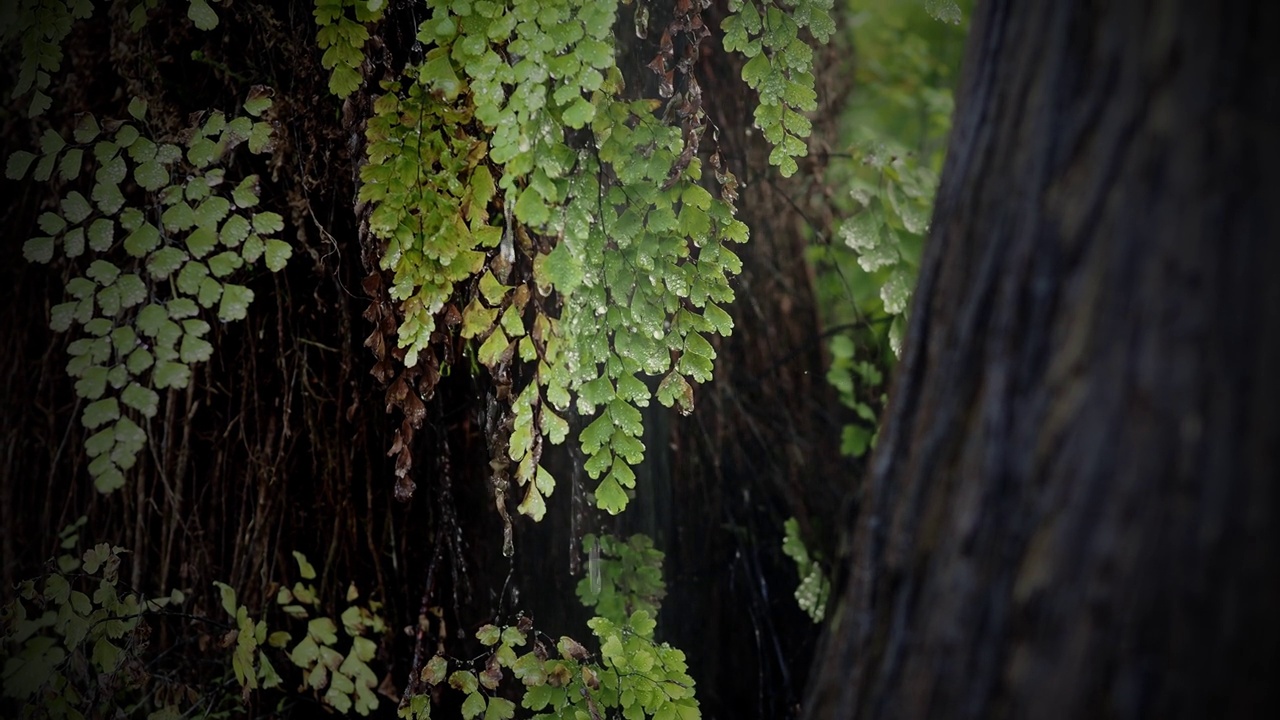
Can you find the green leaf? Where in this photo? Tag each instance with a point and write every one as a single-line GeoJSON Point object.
{"type": "Point", "coordinates": [44, 168]}
{"type": "Point", "coordinates": [277, 254]}
{"type": "Point", "coordinates": [108, 197]}
{"type": "Point", "coordinates": [252, 249]}
{"type": "Point", "coordinates": [51, 223]}
{"type": "Point", "coordinates": [101, 234]}
{"type": "Point", "coordinates": [944, 10]}
{"type": "Point", "coordinates": [209, 292]}
{"type": "Point", "coordinates": [578, 113]}
{"type": "Point", "coordinates": [51, 143]}
{"type": "Point", "coordinates": [73, 243]}
{"type": "Point", "coordinates": [643, 623]}
{"type": "Point", "coordinates": [492, 290]}
{"type": "Point", "coordinates": [169, 374]}
{"type": "Point", "coordinates": [164, 261]}
{"type": "Point", "coordinates": [181, 307]}
{"type": "Point", "coordinates": [225, 263]}
{"type": "Point", "coordinates": [344, 81]}
{"type": "Point", "coordinates": [482, 190]}
{"type": "Point", "coordinates": [488, 635]}
{"type": "Point", "coordinates": [438, 73]}
{"type": "Point", "coordinates": [38, 249]}
{"type": "Point", "coordinates": [533, 504]}
{"type": "Point", "coordinates": [86, 129]}
{"type": "Point", "coordinates": [150, 319]}
{"type": "Point", "coordinates": [554, 427]}
{"type": "Point", "coordinates": [236, 300]}
{"type": "Point", "coordinates": [100, 443]}
{"type": "Point", "coordinates": [896, 291]}
{"type": "Point", "coordinates": [755, 71]}
{"type": "Point", "coordinates": [435, 670]}
{"type": "Point", "coordinates": [259, 100]}
{"type": "Point", "coordinates": [102, 272]}
{"type": "Point", "coordinates": [92, 383]}
{"type": "Point", "coordinates": [305, 654]}
{"type": "Point", "coordinates": [246, 193]}
{"type": "Point", "coordinates": [124, 339]}
{"type": "Point", "coordinates": [194, 349]}
{"type": "Point", "coordinates": [61, 316]}
{"type": "Point", "coordinates": [144, 400]}
{"type": "Point", "coordinates": [131, 288]}
{"type": "Point", "coordinates": [71, 164]}
{"type": "Point", "coordinates": [142, 240]}
{"type": "Point", "coordinates": [323, 629]}
{"type": "Point", "coordinates": [131, 219]}
{"type": "Point", "coordinates": [201, 241]}
{"type": "Point", "coordinates": [18, 163]}
{"type": "Point", "coordinates": [202, 15]}
{"type": "Point", "coordinates": [151, 175]}
{"type": "Point", "coordinates": [499, 709]}
{"type": "Point", "coordinates": [260, 138]}
{"type": "Point", "coordinates": [212, 211]}
{"type": "Point", "coordinates": [472, 706]}
{"type": "Point", "coordinates": [99, 412]}
{"type": "Point", "coordinates": [463, 681]}
{"type": "Point", "coordinates": [126, 136]}
{"type": "Point", "coordinates": [493, 349]}
{"type": "Point", "coordinates": [178, 217]}
{"type": "Point", "coordinates": [610, 496]}
{"type": "Point", "coordinates": [562, 269]}
{"type": "Point", "coordinates": [234, 231]}
{"type": "Point", "coordinates": [477, 319]}
{"type": "Point", "coordinates": [228, 596]}
{"type": "Point", "coordinates": [531, 209]}
{"type": "Point", "coordinates": [138, 108]}
{"type": "Point", "coordinates": [203, 152]}
{"type": "Point", "coordinates": [304, 567]}
{"type": "Point", "coordinates": [267, 223]}
{"type": "Point", "coordinates": [75, 208]}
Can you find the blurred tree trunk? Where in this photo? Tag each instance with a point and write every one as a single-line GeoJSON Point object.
{"type": "Point", "coordinates": [1072, 508]}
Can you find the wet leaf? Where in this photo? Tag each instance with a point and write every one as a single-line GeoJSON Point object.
{"type": "Point", "coordinates": [235, 302]}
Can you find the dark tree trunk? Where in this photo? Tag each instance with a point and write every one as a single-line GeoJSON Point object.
{"type": "Point", "coordinates": [1072, 509]}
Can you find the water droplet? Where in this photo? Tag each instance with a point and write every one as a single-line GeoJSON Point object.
{"type": "Point", "coordinates": [593, 568]}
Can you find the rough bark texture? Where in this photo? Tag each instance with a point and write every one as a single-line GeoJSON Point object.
{"type": "Point", "coordinates": [1072, 509]}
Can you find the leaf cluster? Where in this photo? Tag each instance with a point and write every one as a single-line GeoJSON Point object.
{"type": "Point", "coordinates": [74, 639]}
{"type": "Point", "coordinates": [39, 27]}
{"type": "Point", "coordinates": [630, 675]}
{"type": "Point", "coordinates": [342, 36]}
{"type": "Point", "coordinates": [814, 590]}
{"type": "Point", "coordinates": [895, 129]}
{"type": "Point", "coordinates": [780, 67]}
{"type": "Point", "coordinates": [622, 577]}
{"type": "Point", "coordinates": [164, 232]}
{"type": "Point", "coordinates": [593, 255]}
{"type": "Point", "coordinates": [859, 383]}
{"type": "Point", "coordinates": [337, 672]}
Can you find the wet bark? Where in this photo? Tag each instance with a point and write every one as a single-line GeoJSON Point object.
{"type": "Point", "coordinates": [1072, 508]}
